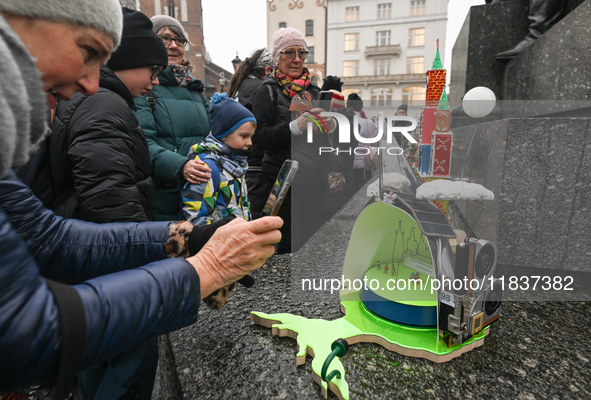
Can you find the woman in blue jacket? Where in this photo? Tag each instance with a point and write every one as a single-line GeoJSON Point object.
{"type": "Point", "coordinates": [98, 150]}
{"type": "Point", "coordinates": [50, 50]}
{"type": "Point", "coordinates": [177, 120]}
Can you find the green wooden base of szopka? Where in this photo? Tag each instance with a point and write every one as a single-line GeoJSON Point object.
{"type": "Point", "coordinates": [359, 325]}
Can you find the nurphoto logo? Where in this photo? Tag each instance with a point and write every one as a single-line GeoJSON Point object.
{"type": "Point", "coordinates": [344, 130]}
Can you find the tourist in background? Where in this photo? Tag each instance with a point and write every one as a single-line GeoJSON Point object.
{"type": "Point", "coordinates": [288, 89]}
{"type": "Point", "coordinates": [248, 77]}
{"type": "Point", "coordinates": [128, 290]}
{"type": "Point", "coordinates": [98, 153]}
{"type": "Point", "coordinates": [174, 116]}
{"type": "Point", "coordinates": [225, 150]}
{"type": "Point", "coordinates": [367, 129]}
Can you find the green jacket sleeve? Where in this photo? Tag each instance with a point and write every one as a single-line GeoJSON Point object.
{"type": "Point", "coordinates": [166, 164]}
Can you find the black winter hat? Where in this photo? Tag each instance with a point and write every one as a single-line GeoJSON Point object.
{"type": "Point", "coordinates": [403, 107]}
{"type": "Point", "coordinates": [140, 45]}
{"type": "Point", "coordinates": [356, 103]}
{"type": "Point", "coordinates": [332, 82]}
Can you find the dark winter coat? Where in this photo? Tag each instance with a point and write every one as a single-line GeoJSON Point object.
{"type": "Point", "coordinates": [246, 90]}
{"type": "Point", "coordinates": [245, 96]}
{"type": "Point", "coordinates": [75, 251]}
{"type": "Point", "coordinates": [30, 331]}
{"type": "Point", "coordinates": [98, 148]}
{"type": "Point", "coordinates": [274, 137]}
{"type": "Point", "coordinates": [179, 120]}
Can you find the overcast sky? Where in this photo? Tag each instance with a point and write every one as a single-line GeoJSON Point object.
{"type": "Point", "coordinates": [239, 25]}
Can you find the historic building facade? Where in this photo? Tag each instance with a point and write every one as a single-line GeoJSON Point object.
{"type": "Point", "coordinates": [383, 48]}
{"type": "Point", "coordinates": [190, 14]}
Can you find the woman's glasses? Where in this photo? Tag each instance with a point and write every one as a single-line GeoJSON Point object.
{"type": "Point", "coordinates": [291, 54]}
{"type": "Point", "coordinates": [178, 40]}
{"type": "Point", "coordinates": [156, 71]}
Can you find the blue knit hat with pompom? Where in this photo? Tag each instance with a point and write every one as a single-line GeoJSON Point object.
{"type": "Point", "coordinates": [227, 115]}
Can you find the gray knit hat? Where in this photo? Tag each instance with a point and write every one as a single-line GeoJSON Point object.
{"type": "Point", "coordinates": [160, 21]}
{"type": "Point", "coordinates": [104, 15]}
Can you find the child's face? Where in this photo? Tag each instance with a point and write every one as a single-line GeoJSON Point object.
{"type": "Point", "coordinates": [241, 137]}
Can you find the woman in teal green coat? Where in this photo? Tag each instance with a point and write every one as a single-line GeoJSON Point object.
{"type": "Point", "coordinates": [178, 119]}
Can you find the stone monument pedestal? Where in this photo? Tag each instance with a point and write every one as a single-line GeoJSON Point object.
{"type": "Point", "coordinates": [533, 152]}
{"type": "Point", "coordinates": [556, 66]}
{"type": "Point", "coordinates": [540, 172]}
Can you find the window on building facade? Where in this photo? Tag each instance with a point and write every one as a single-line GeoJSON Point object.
{"type": "Point", "coordinates": [351, 68]}
{"type": "Point", "coordinates": [381, 97]}
{"type": "Point", "coordinates": [415, 65]}
{"type": "Point", "coordinates": [351, 41]}
{"type": "Point", "coordinates": [310, 58]}
{"type": "Point", "coordinates": [381, 66]}
{"type": "Point", "coordinates": [171, 8]}
{"type": "Point", "coordinates": [413, 96]}
{"type": "Point", "coordinates": [416, 37]}
{"type": "Point", "coordinates": [385, 10]}
{"type": "Point", "coordinates": [310, 27]}
{"type": "Point", "coordinates": [383, 38]}
{"type": "Point", "coordinates": [282, 25]}
{"type": "Point", "coordinates": [417, 7]}
{"type": "Point", "coordinates": [131, 4]}
{"type": "Point", "coordinates": [352, 14]}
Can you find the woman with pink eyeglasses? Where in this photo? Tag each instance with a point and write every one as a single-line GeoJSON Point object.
{"type": "Point", "coordinates": [283, 106]}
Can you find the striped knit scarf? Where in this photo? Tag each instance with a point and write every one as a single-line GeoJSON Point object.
{"type": "Point", "coordinates": [290, 86]}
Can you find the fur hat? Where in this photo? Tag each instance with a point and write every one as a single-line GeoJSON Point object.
{"type": "Point", "coordinates": [140, 46]}
{"type": "Point", "coordinates": [227, 115]}
{"type": "Point", "coordinates": [332, 82]}
{"type": "Point", "coordinates": [286, 37]}
{"type": "Point", "coordinates": [161, 21]}
{"type": "Point", "coordinates": [104, 15]}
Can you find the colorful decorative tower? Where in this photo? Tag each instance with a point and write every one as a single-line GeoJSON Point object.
{"type": "Point", "coordinates": [436, 138]}
{"type": "Point", "coordinates": [435, 84]}
{"type": "Point", "coordinates": [442, 140]}
{"type": "Point", "coordinates": [436, 77]}
{"type": "Point", "coordinates": [435, 80]}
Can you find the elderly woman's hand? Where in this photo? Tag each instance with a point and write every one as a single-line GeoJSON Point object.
{"type": "Point", "coordinates": [303, 120]}
{"type": "Point", "coordinates": [330, 124]}
{"type": "Point", "coordinates": [196, 172]}
{"type": "Point", "coordinates": [234, 250]}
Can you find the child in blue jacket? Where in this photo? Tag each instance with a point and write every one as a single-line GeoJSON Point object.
{"type": "Point", "coordinates": [225, 151]}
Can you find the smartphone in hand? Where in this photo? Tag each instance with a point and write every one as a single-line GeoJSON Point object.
{"type": "Point", "coordinates": [325, 101]}
{"type": "Point", "coordinates": [280, 188]}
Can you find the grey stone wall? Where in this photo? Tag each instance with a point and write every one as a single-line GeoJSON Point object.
{"type": "Point", "coordinates": [555, 67]}
{"type": "Point", "coordinates": [540, 172]}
